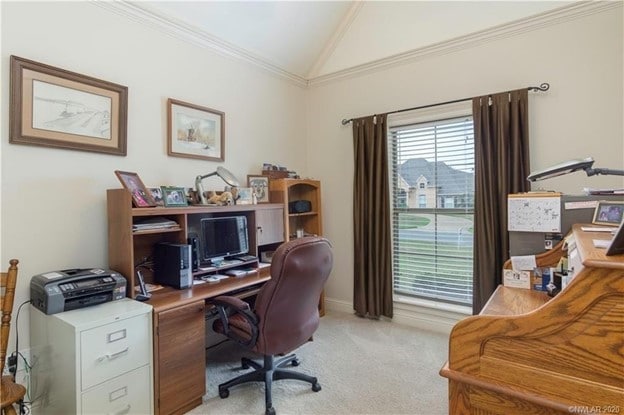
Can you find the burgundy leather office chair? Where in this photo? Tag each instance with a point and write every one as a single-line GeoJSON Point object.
{"type": "Point", "coordinates": [284, 317]}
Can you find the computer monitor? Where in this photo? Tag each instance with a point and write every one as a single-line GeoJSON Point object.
{"type": "Point", "coordinates": [223, 237]}
{"type": "Point", "coordinates": [617, 243]}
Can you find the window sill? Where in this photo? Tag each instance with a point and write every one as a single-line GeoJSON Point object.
{"type": "Point", "coordinates": [420, 302]}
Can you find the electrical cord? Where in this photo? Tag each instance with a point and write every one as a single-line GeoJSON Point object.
{"type": "Point", "coordinates": [24, 408]}
{"type": "Point", "coordinates": [16, 352]}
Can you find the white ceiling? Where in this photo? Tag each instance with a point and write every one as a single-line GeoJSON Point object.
{"type": "Point", "coordinates": [312, 38]}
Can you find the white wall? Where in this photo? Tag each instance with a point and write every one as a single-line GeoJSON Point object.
{"type": "Point", "coordinates": [384, 28]}
{"type": "Point", "coordinates": [580, 116]}
{"type": "Point", "coordinates": [54, 201]}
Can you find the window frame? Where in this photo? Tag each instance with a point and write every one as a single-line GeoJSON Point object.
{"type": "Point", "coordinates": [433, 114]}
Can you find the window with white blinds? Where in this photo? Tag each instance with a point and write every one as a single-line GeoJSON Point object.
{"type": "Point", "coordinates": [433, 206]}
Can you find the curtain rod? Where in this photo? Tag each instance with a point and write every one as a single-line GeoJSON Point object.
{"type": "Point", "coordinates": [543, 87]}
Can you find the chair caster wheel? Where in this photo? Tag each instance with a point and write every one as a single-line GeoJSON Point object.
{"type": "Point", "coordinates": [295, 362]}
{"type": "Point", "coordinates": [224, 393]}
{"type": "Point", "coordinates": [316, 387]}
{"type": "Point", "coordinates": [270, 411]}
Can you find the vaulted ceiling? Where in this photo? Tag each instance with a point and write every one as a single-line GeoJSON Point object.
{"type": "Point", "coordinates": [308, 39]}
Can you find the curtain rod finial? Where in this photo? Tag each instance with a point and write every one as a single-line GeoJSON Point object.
{"type": "Point", "coordinates": [345, 121]}
{"type": "Point", "coordinates": [545, 86]}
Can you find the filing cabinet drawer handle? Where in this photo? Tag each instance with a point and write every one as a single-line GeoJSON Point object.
{"type": "Point", "coordinates": [123, 411]}
{"type": "Point", "coordinates": [115, 336]}
{"type": "Point", "coordinates": [113, 355]}
{"type": "Point", "coordinates": [117, 394]}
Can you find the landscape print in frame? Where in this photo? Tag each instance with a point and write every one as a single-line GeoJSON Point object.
{"type": "Point", "coordinates": [54, 107]}
{"type": "Point", "coordinates": [195, 131]}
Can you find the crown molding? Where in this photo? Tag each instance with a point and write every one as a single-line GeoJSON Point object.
{"type": "Point", "coordinates": [341, 30]}
{"type": "Point", "coordinates": [549, 18]}
{"type": "Point", "coordinates": [142, 14]}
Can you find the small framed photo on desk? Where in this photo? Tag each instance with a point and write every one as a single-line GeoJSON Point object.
{"type": "Point", "coordinates": [173, 196]}
{"type": "Point", "coordinates": [608, 213]}
{"type": "Point", "coordinates": [131, 181]}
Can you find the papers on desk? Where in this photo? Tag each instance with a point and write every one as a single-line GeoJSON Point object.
{"type": "Point", "coordinates": [157, 222]}
{"type": "Point", "coordinates": [517, 279]}
{"type": "Point", "coordinates": [601, 243]}
{"type": "Point", "coordinates": [598, 229]}
{"type": "Point", "coordinates": [523, 263]}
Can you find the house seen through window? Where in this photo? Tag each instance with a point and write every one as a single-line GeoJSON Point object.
{"type": "Point", "coordinates": [433, 224]}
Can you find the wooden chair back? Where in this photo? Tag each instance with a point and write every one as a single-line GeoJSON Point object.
{"type": "Point", "coordinates": [8, 281]}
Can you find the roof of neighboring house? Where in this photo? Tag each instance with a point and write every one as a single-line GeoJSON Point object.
{"type": "Point", "coordinates": [450, 180]}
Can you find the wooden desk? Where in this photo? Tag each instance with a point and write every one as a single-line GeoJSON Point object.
{"type": "Point", "coordinates": [179, 340]}
{"type": "Point", "coordinates": [526, 354]}
{"type": "Point", "coordinates": [179, 323]}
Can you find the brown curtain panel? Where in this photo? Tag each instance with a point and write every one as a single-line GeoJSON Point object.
{"type": "Point", "coordinates": [501, 167]}
{"type": "Point", "coordinates": [372, 288]}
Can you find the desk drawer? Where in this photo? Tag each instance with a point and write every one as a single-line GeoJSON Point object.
{"type": "Point", "coordinates": [113, 349]}
{"type": "Point", "coordinates": [126, 394]}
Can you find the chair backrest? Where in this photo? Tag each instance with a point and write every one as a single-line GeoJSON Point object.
{"type": "Point", "coordinates": [287, 305]}
{"type": "Point", "coordinates": [8, 280]}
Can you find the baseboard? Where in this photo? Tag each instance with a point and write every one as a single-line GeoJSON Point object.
{"type": "Point", "coordinates": [425, 318]}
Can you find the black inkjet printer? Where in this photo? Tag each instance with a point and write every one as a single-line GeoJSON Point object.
{"type": "Point", "coordinates": [57, 291]}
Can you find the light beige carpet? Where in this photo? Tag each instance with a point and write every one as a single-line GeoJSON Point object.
{"type": "Point", "coordinates": [363, 366]}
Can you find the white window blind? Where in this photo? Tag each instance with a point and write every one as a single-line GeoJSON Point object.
{"type": "Point", "coordinates": [433, 227]}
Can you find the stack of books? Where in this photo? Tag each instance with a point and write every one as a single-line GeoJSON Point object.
{"type": "Point", "coordinates": [156, 222]}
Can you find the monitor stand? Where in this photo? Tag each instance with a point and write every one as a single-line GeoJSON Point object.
{"type": "Point", "coordinates": [216, 262]}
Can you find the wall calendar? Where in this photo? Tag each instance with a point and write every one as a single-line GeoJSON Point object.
{"type": "Point", "coordinates": [528, 212]}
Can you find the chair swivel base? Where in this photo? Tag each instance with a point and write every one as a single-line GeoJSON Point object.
{"type": "Point", "coordinates": [272, 370]}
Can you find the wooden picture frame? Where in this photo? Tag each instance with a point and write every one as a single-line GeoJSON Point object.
{"type": "Point", "coordinates": [608, 213]}
{"type": "Point", "coordinates": [53, 107]}
{"type": "Point", "coordinates": [173, 196]}
{"type": "Point", "coordinates": [157, 195]}
{"type": "Point", "coordinates": [141, 197]}
{"type": "Point", "coordinates": [194, 131]}
{"type": "Point", "coordinates": [260, 187]}
{"type": "Point", "coordinates": [245, 196]}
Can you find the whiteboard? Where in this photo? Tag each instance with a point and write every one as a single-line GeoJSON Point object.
{"type": "Point", "coordinates": [534, 214]}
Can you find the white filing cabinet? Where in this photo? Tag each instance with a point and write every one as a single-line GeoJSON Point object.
{"type": "Point", "coordinates": [96, 360]}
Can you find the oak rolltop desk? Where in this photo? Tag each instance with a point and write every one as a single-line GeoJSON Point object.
{"type": "Point", "coordinates": [528, 354]}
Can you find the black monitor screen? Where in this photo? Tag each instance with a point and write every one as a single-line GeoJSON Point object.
{"type": "Point", "coordinates": [224, 236]}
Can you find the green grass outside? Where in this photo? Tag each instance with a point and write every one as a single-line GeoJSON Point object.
{"type": "Point", "coordinates": [412, 221]}
{"type": "Point", "coordinates": [444, 260]}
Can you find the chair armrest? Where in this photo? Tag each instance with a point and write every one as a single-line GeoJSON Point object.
{"type": "Point", "coordinates": [230, 302]}
{"type": "Point", "coordinates": [226, 303]}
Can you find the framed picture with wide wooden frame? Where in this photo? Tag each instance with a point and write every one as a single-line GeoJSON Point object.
{"type": "Point", "coordinates": [194, 131]}
{"type": "Point", "coordinates": [54, 107]}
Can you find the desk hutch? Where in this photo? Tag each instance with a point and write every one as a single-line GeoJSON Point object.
{"type": "Point", "coordinates": [285, 191]}
{"type": "Point", "coordinates": [178, 315]}
{"type": "Point", "coordinates": [528, 354]}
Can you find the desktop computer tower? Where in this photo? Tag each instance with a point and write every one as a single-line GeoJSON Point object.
{"type": "Point", "coordinates": [173, 265]}
{"type": "Point", "coordinates": [193, 241]}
